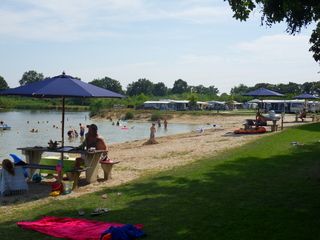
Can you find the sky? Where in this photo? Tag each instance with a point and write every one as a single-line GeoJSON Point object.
{"type": "Point", "coordinates": [194, 40]}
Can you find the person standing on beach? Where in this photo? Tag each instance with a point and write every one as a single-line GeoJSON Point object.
{"type": "Point", "coordinates": [152, 139]}
{"type": "Point", "coordinates": [165, 123]}
{"type": "Point", "coordinates": [159, 122]}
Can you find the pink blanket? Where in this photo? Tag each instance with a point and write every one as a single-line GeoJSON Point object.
{"type": "Point", "coordinates": [70, 228]}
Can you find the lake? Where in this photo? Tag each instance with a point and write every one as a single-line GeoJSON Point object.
{"type": "Point", "coordinates": [48, 124]}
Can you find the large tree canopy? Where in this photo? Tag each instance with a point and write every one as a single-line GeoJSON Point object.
{"type": "Point", "coordinates": [179, 87]}
{"type": "Point", "coordinates": [30, 77]}
{"type": "Point", "coordinates": [108, 83]}
{"type": "Point", "coordinates": [296, 13]}
{"type": "Point", "coordinates": [3, 83]}
{"type": "Point", "coordinates": [143, 85]}
{"type": "Point", "coordinates": [159, 89]}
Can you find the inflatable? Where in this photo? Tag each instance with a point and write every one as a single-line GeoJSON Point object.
{"type": "Point", "coordinates": [250, 131]}
{"type": "Point", "coordinates": [4, 127]}
{"type": "Point", "coordinates": [124, 128]}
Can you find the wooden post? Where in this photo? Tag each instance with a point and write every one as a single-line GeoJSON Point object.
{"type": "Point", "coordinates": [282, 117]}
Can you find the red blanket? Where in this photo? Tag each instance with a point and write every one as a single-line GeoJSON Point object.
{"type": "Point", "coordinates": [70, 228]}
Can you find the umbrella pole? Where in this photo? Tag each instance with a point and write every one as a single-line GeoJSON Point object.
{"type": "Point", "coordinates": [62, 122]}
{"type": "Point", "coordinates": [62, 142]}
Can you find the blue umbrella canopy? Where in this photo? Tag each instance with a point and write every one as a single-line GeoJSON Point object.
{"type": "Point", "coordinates": [61, 86]}
{"type": "Point", "coordinates": [305, 96]}
{"type": "Point", "coordinates": [263, 92]}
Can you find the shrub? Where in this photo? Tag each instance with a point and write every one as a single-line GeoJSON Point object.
{"type": "Point", "coordinates": [155, 116]}
{"type": "Point", "coordinates": [129, 115]}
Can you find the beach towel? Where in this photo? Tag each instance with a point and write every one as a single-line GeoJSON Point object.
{"type": "Point", "coordinates": [70, 228]}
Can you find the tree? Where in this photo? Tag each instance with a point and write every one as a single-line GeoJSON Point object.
{"type": "Point", "coordinates": [193, 101]}
{"type": "Point", "coordinates": [160, 89]}
{"type": "Point", "coordinates": [179, 87]}
{"type": "Point", "coordinates": [3, 83]}
{"type": "Point", "coordinates": [239, 90]}
{"type": "Point", "coordinates": [108, 83]}
{"type": "Point", "coordinates": [225, 97]}
{"type": "Point", "coordinates": [296, 14]}
{"type": "Point", "coordinates": [213, 91]}
{"type": "Point", "coordinates": [143, 85]}
{"type": "Point", "coordinates": [308, 87]}
{"type": "Point", "coordinates": [291, 88]}
{"type": "Point", "coordinates": [200, 89]}
{"type": "Point", "coordinates": [30, 77]}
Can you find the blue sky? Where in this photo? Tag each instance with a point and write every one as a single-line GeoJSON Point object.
{"type": "Point", "coordinates": [197, 41]}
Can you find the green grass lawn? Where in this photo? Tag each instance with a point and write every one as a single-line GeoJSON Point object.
{"type": "Point", "coordinates": [268, 189]}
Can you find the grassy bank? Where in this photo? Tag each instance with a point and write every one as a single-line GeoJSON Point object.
{"type": "Point", "coordinates": [268, 189]}
{"type": "Point", "coordinates": [8, 103]}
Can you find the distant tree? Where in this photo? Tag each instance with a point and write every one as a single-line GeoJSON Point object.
{"type": "Point", "coordinates": [239, 90]}
{"type": "Point", "coordinates": [296, 14]}
{"type": "Point", "coordinates": [213, 91]}
{"type": "Point", "coordinates": [30, 77]}
{"type": "Point", "coordinates": [225, 97]}
{"type": "Point", "coordinates": [179, 87]}
{"type": "Point", "coordinates": [193, 101]}
{"type": "Point", "coordinates": [291, 88]}
{"type": "Point", "coordinates": [108, 83]}
{"type": "Point", "coordinates": [200, 89]}
{"type": "Point", "coordinates": [3, 83]}
{"type": "Point", "coordinates": [317, 88]}
{"type": "Point", "coordinates": [264, 85]}
{"type": "Point", "coordinates": [143, 85]}
{"type": "Point", "coordinates": [307, 87]}
{"type": "Point", "coordinates": [160, 89]}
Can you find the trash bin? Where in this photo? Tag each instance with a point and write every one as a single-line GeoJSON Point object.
{"type": "Point", "coordinates": [67, 186]}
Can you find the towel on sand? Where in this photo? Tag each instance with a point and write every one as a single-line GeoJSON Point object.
{"type": "Point", "coordinates": [70, 228]}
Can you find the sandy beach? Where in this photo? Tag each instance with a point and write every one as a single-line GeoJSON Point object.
{"type": "Point", "coordinates": [137, 159]}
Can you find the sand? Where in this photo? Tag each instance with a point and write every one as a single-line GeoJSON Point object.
{"type": "Point", "coordinates": [137, 159]}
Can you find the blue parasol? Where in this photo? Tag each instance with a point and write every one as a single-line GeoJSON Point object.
{"type": "Point", "coordinates": [305, 96]}
{"type": "Point", "coordinates": [61, 86]}
{"type": "Point", "coordinates": [263, 92]}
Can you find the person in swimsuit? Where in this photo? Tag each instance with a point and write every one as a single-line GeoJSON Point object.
{"type": "Point", "coordinates": [81, 130]}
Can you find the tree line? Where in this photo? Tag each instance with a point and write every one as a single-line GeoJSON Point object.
{"type": "Point", "coordinates": [141, 86]}
{"type": "Point", "coordinates": [148, 88]}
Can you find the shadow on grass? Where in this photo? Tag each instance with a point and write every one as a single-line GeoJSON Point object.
{"type": "Point", "coordinates": [241, 198]}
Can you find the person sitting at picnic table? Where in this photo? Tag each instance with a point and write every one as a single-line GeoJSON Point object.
{"type": "Point", "coordinates": [303, 114]}
{"type": "Point", "coordinates": [260, 120]}
{"type": "Point", "coordinates": [92, 141]}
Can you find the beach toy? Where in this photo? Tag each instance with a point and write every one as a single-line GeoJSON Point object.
{"type": "Point", "coordinates": [124, 128]}
{"type": "Point", "coordinates": [36, 178]}
{"type": "Point", "coordinates": [55, 193]}
{"type": "Point", "coordinates": [250, 131]}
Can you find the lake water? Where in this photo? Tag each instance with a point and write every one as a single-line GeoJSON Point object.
{"type": "Point", "coordinates": [23, 121]}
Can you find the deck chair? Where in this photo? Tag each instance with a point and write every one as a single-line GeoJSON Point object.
{"type": "Point", "coordinates": [13, 184]}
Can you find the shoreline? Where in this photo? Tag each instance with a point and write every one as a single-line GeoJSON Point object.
{"type": "Point", "coordinates": [137, 160]}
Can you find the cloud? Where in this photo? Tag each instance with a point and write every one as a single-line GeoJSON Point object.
{"type": "Point", "coordinates": [71, 20]}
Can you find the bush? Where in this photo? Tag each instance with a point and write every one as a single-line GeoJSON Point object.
{"type": "Point", "coordinates": [155, 116]}
{"type": "Point", "coordinates": [129, 115]}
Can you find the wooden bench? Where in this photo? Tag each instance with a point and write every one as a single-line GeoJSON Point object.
{"type": "Point", "coordinates": [313, 117]}
{"type": "Point", "coordinates": [107, 167]}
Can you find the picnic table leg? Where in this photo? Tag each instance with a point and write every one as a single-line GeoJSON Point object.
{"type": "Point", "coordinates": [32, 157]}
{"type": "Point", "coordinates": [107, 167]}
{"type": "Point", "coordinates": [91, 161]}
